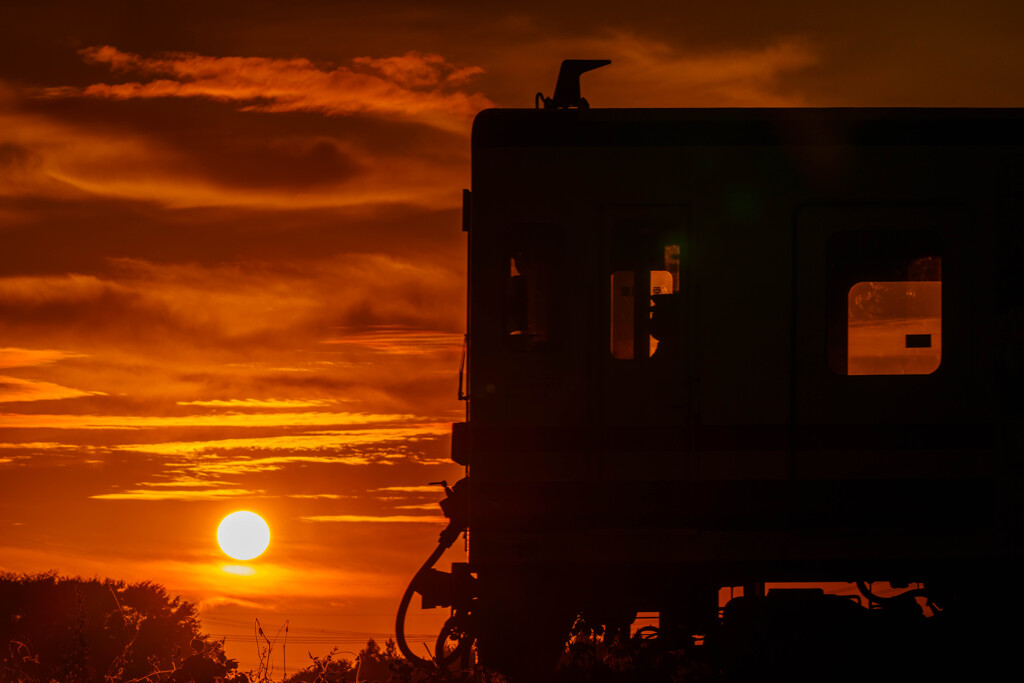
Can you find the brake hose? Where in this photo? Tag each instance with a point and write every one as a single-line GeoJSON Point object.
{"type": "Point", "coordinates": [455, 509]}
{"type": "Point", "coordinates": [403, 607]}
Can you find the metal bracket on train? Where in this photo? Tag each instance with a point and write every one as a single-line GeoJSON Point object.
{"type": "Point", "coordinates": [443, 589]}
{"type": "Point", "coordinates": [456, 508]}
{"type": "Point", "coordinates": [567, 88]}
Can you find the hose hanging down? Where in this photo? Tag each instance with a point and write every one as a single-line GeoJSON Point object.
{"type": "Point", "coordinates": [440, 589]}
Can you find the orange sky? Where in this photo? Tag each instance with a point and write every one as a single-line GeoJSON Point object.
{"type": "Point", "coordinates": [232, 270]}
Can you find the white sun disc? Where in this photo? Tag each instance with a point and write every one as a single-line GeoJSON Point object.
{"type": "Point", "coordinates": [243, 535]}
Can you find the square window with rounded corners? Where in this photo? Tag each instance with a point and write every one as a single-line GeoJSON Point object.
{"type": "Point", "coordinates": [894, 328]}
{"type": "Point", "coordinates": [885, 302]}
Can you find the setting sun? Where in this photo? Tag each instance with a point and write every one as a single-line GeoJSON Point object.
{"type": "Point", "coordinates": [243, 535]}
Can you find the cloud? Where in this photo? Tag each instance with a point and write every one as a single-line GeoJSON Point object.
{"type": "Point", "coordinates": [180, 154]}
{"type": "Point", "coordinates": [416, 70]}
{"type": "Point", "coordinates": [414, 86]}
{"type": "Point", "coordinates": [13, 389]}
{"type": "Point", "coordinates": [291, 346]}
{"type": "Point", "coordinates": [393, 519]}
{"type": "Point", "coordinates": [257, 403]}
{"type": "Point", "coordinates": [20, 358]}
{"type": "Point", "coordinates": [648, 73]}
{"type": "Point", "coordinates": [14, 157]}
{"type": "Point", "coordinates": [40, 445]}
{"type": "Point", "coordinates": [317, 441]}
{"type": "Point", "coordinates": [229, 601]}
{"type": "Point", "coordinates": [184, 481]}
{"type": "Point", "coordinates": [401, 340]}
{"type": "Point", "coordinates": [66, 421]}
{"type": "Point", "coordinates": [215, 466]}
{"type": "Point", "coordinates": [262, 303]}
{"type": "Point", "coordinates": [411, 489]}
{"type": "Point", "coordinates": [178, 494]}
{"type": "Point", "coordinates": [71, 288]}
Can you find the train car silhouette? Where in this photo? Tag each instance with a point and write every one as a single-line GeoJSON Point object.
{"type": "Point", "coordinates": [718, 348]}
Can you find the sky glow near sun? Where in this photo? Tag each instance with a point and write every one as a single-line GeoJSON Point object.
{"type": "Point", "coordinates": [233, 270]}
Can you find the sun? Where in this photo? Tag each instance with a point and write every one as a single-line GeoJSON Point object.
{"type": "Point", "coordinates": [243, 535]}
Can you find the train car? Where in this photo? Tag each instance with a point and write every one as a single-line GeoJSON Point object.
{"type": "Point", "coordinates": [711, 348]}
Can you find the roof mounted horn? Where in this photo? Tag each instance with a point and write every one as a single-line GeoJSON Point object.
{"type": "Point", "coordinates": [567, 89]}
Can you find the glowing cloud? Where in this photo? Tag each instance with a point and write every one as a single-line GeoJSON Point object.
{"type": "Point", "coordinates": [410, 489]}
{"type": "Point", "coordinates": [257, 403]}
{"type": "Point", "coordinates": [180, 494]}
{"type": "Point", "coordinates": [405, 341]}
{"type": "Point", "coordinates": [313, 496]}
{"type": "Point", "coordinates": [20, 358]}
{"type": "Point", "coordinates": [415, 86]}
{"type": "Point", "coordinates": [298, 442]}
{"type": "Point", "coordinates": [394, 519]}
{"type": "Point", "coordinates": [13, 389]}
{"type": "Point", "coordinates": [650, 73]}
{"type": "Point", "coordinates": [226, 420]}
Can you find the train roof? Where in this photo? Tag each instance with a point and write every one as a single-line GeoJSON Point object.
{"type": "Point", "coordinates": [754, 126]}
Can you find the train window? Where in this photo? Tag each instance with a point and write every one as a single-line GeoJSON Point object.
{"type": "Point", "coordinates": [886, 302]}
{"type": "Point", "coordinates": [533, 263]}
{"type": "Point", "coordinates": [623, 304]}
{"type": "Point", "coordinates": [894, 328]}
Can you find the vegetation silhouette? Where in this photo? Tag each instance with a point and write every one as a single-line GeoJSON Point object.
{"type": "Point", "coordinates": [76, 630]}
{"type": "Point", "coordinates": [591, 654]}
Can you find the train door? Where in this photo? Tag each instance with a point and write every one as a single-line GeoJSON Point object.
{"type": "Point", "coordinates": [648, 351]}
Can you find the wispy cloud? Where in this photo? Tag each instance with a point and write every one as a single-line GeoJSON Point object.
{"type": "Point", "coordinates": [13, 389]}
{"type": "Point", "coordinates": [215, 466]}
{"type": "Point", "coordinates": [16, 389]}
{"type": "Point", "coordinates": [394, 519]}
{"type": "Point", "coordinates": [647, 72]}
{"type": "Point", "coordinates": [414, 86]}
{"type": "Point", "coordinates": [317, 441]}
{"type": "Point", "coordinates": [230, 300]}
{"type": "Point", "coordinates": [42, 289]}
{"type": "Point", "coordinates": [258, 403]}
{"type": "Point", "coordinates": [130, 422]}
{"type": "Point", "coordinates": [184, 482]}
{"type": "Point", "coordinates": [11, 357]}
{"type": "Point", "coordinates": [178, 494]}
{"type": "Point", "coordinates": [400, 340]}
{"type": "Point", "coordinates": [411, 489]}
{"type": "Point", "coordinates": [56, 153]}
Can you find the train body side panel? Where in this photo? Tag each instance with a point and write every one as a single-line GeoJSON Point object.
{"type": "Point", "coordinates": [759, 422]}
